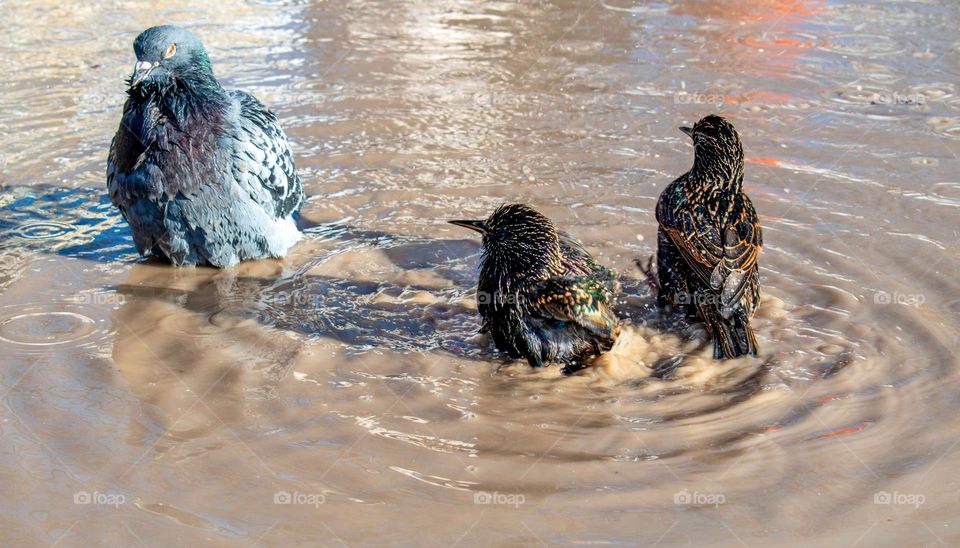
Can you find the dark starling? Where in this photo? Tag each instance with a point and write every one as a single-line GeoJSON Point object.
{"type": "Point", "coordinates": [541, 295]}
{"type": "Point", "coordinates": [201, 174]}
{"type": "Point", "coordinates": [709, 240]}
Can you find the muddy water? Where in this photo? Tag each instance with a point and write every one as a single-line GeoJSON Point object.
{"type": "Point", "coordinates": [343, 395]}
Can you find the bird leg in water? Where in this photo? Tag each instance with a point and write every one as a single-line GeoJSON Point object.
{"type": "Point", "coordinates": [647, 270]}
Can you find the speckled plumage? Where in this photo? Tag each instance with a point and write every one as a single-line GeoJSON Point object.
{"type": "Point", "coordinates": [201, 174]}
{"type": "Point", "coordinates": [709, 240]}
{"type": "Point", "coordinates": [542, 297]}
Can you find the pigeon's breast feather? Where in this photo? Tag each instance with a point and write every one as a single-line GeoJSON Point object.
{"type": "Point", "coordinates": [184, 151]}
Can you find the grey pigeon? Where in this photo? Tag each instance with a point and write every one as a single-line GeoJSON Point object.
{"type": "Point", "coordinates": [201, 174]}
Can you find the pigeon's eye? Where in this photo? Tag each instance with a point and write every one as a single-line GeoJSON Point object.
{"type": "Point", "coordinates": [170, 51]}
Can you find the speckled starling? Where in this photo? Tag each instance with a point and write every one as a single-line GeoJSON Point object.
{"type": "Point", "coordinates": [541, 295]}
{"type": "Point", "coordinates": [201, 174]}
{"type": "Point", "coordinates": [709, 240]}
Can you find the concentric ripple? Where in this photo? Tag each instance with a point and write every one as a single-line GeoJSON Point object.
{"type": "Point", "coordinates": [43, 230]}
{"type": "Point", "coordinates": [39, 328]}
{"type": "Point", "coordinates": [47, 328]}
{"type": "Point", "coordinates": [863, 45]}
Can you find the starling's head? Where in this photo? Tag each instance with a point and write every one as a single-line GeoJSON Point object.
{"type": "Point", "coordinates": [715, 139]}
{"type": "Point", "coordinates": [519, 243]}
{"type": "Point", "coordinates": [167, 56]}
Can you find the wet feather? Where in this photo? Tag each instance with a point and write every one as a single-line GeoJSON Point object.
{"type": "Point", "coordinates": [709, 241]}
{"type": "Point", "coordinates": [541, 295]}
{"type": "Point", "coordinates": [201, 174]}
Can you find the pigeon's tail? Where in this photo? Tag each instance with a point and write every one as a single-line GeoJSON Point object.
{"type": "Point", "coordinates": [732, 337]}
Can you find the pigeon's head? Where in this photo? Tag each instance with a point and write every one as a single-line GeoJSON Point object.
{"type": "Point", "coordinates": [714, 138]}
{"type": "Point", "coordinates": [168, 55]}
{"type": "Point", "coordinates": [519, 243]}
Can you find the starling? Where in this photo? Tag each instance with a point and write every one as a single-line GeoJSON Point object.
{"type": "Point", "coordinates": [709, 240]}
{"type": "Point", "coordinates": [202, 175]}
{"type": "Point", "coordinates": [541, 295]}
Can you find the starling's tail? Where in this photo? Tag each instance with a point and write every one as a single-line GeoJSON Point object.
{"type": "Point", "coordinates": [732, 337]}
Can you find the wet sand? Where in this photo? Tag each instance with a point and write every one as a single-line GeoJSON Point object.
{"type": "Point", "coordinates": [343, 395]}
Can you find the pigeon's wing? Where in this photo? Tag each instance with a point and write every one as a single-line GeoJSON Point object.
{"type": "Point", "coordinates": [262, 162]}
{"type": "Point", "coordinates": [582, 301]}
{"type": "Point", "coordinates": [126, 149]}
{"type": "Point", "coordinates": [723, 257]}
{"type": "Point", "coordinates": [134, 187]}
{"type": "Point", "coordinates": [112, 182]}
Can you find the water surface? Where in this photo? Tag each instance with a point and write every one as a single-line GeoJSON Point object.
{"type": "Point", "coordinates": [342, 395]}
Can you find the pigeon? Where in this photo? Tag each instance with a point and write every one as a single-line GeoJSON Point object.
{"type": "Point", "coordinates": [540, 294]}
{"type": "Point", "coordinates": [202, 175]}
{"type": "Point", "coordinates": [709, 240]}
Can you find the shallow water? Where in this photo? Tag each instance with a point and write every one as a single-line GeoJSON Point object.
{"type": "Point", "coordinates": [343, 395]}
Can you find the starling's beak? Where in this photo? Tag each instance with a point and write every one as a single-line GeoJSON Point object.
{"type": "Point", "coordinates": [472, 225]}
{"type": "Point", "coordinates": [688, 131]}
{"type": "Point", "coordinates": [140, 71]}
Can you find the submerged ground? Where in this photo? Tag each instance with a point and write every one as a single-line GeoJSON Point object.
{"type": "Point", "coordinates": [343, 396]}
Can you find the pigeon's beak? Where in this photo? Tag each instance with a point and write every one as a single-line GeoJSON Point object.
{"type": "Point", "coordinates": [472, 225]}
{"type": "Point", "coordinates": [687, 130]}
{"type": "Point", "coordinates": [140, 71]}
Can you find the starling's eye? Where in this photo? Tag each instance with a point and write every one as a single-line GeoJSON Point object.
{"type": "Point", "coordinates": [170, 51]}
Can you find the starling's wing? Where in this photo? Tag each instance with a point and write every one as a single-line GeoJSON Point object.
{"type": "Point", "coordinates": [572, 249]}
{"type": "Point", "coordinates": [579, 262]}
{"type": "Point", "coordinates": [743, 241]}
{"type": "Point", "coordinates": [261, 159]}
{"type": "Point", "coordinates": [724, 258]}
{"type": "Point", "coordinates": [582, 301]}
{"type": "Point", "coordinates": [698, 244]}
